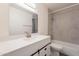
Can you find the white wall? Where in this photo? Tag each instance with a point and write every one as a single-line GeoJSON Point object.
{"type": "Point", "coordinates": [4, 19]}
{"type": "Point", "coordinates": [42, 11]}
{"type": "Point", "coordinates": [20, 20]}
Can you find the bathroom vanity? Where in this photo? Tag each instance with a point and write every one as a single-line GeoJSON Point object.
{"type": "Point", "coordinates": [37, 45]}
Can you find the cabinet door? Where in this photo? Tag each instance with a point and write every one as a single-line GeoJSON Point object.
{"type": "Point", "coordinates": [42, 52]}
{"type": "Point", "coordinates": [45, 51]}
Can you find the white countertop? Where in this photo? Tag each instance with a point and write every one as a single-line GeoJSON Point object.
{"type": "Point", "coordinates": [19, 42]}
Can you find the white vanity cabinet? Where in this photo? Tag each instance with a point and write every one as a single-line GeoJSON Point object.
{"type": "Point", "coordinates": [35, 47]}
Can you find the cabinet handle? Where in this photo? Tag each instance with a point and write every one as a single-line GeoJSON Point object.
{"type": "Point", "coordinates": [38, 51]}
{"type": "Point", "coordinates": [45, 49]}
{"type": "Point", "coordinates": [45, 55]}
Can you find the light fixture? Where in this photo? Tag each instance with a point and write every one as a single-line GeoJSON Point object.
{"type": "Point", "coordinates": [28, 6]}
{"type": "Point", "coordinates": [32, 5]}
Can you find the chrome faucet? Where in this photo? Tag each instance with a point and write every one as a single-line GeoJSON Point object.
{"type": "Point", "coordinates": [28, 34]}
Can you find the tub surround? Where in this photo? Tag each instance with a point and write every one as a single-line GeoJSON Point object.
{"type": "Point", "coordinates": [66, 48]}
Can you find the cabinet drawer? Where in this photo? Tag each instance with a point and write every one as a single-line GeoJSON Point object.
{"type": "Point", "coordinates": [45, 51]}
{"type": "Point", "coordinates": [44, 42]}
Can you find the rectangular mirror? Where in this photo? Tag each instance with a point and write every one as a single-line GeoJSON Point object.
{"type": "Point", "coordinates": [22, 20]}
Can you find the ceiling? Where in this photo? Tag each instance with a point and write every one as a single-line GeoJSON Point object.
{"type": "Point", "coordinates": [56, 6]}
